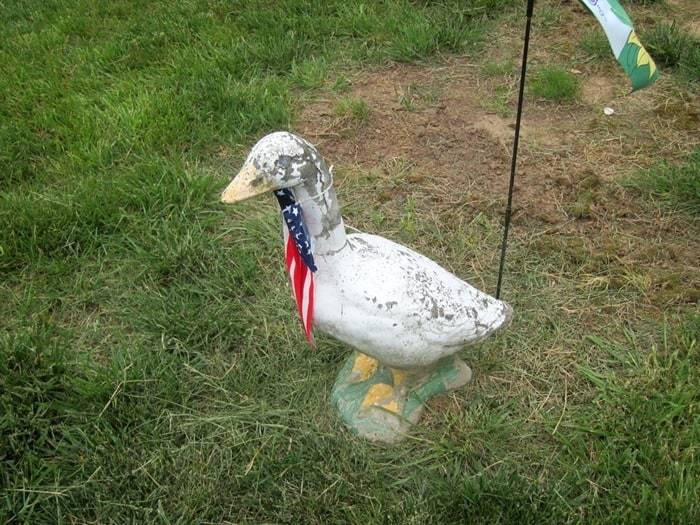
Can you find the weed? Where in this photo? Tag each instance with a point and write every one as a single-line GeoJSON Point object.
{"type": "Point", "coordinates": [412, 94]}
{"type": "Point", "coordinates": [352, 110]}
{"type": "Point", "coordinates": [499, 103]}
{"type": "Point", "coordinates": [673, 47]}
{"type": "Point", "coordinates": [406, 98]}
{"type": "Point", "coordinates": [645, 392]}
{"type": "Point", "coordinates": [499, 100]}
{"type": "Point", "coordinates": [555, 84]}
{"type": "Point", "coordinates": [594, 44]}
{"type": "Point", "coordinates": [499, 67]}
{"type": "Point", "coordinates": [309, 74]}
{"type": "Point", "coordinates": [341, 84]}
{"type": "Point", "coordinates": [675, 184]}
{"type": "Point", "coordinates": [415, 39]}
{"type": "Point", "coordinates": [407, 223]}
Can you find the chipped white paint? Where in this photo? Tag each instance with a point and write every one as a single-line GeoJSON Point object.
{"type": "Point", "coordinates": [398, 306]}
{"type": "Point", "coordinates": [283, 160]}
{"type": "Point", "coordinates": [379, 297]}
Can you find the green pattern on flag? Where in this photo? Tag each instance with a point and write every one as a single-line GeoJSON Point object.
{"type": "Point", "coordinates": [625, 45]}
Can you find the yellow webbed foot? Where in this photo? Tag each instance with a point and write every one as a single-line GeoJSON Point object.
{"type": "Point", "coordinates": [381, 404]}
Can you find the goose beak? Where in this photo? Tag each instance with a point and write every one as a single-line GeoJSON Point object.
{"type": "Point", "coordinates": [248, 183]}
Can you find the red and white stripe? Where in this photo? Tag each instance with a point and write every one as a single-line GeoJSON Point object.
{"type": "Point", "coordinates": [302, 281]}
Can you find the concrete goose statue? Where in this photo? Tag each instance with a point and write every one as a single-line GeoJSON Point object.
{"type": "Point", "coordinates": [404, 315]}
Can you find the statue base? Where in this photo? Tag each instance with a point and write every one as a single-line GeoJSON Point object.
{"type": "Point", "coordinates": [381, 404]}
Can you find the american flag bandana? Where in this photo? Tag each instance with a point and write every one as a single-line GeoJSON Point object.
{"type": "Point", "coordinates": [299, 259]}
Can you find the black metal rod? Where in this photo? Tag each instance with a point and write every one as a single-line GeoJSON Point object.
{"type": "Point", "coordinates": [516, 140]}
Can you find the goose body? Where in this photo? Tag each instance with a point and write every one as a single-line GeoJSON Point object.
{"type": "Point", "coordinates": [398, 306]}
{"type": "Point", "coordinates": [406, 316]}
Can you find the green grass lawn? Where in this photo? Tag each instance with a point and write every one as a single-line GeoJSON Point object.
{"type": "Point", "coordinates": [152, 369]}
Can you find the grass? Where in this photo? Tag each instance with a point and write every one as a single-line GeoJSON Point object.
{"type": "Point", "coordinates": [594, 44]}
{"type": "Point", "coordinates": [352, 110]}
{"type": "Point", "coordinates": [674, 47]}
{"type": "Point", "coordinates": [555, 84]}
{"type": "Point", "coordinates": [412, 95]}
{"type": "Point", "coordinates": [645, 396]}
{"type": "Point", "coordinates": [676, 185]}
{"type": "Point", "coordinates": [501, 70]}
{"type": "Point", "coordinates": [151, 371]}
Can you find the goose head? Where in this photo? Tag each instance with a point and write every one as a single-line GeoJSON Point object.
{"type": "Point", "coordinates": [282, 160]}
{"type": "Point", "coordinates": [279, 160]}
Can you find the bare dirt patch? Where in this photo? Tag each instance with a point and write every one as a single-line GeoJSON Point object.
{"type": "Point", "coordinates": [456, 141]}
{"type": "Point", "coordinates": [437, 120]}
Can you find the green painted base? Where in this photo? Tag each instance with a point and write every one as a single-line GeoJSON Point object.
{"type": "Point", "coordinates": [381, 404]}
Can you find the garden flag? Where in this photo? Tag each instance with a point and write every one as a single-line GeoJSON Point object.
{"type": "Point", "coordinates": [299, 259]}
{"type": "Point", "coordinates": [629, 52]}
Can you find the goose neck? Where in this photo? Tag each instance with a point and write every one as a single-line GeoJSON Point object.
{"type": "Point", "coordinates": [321, 213]}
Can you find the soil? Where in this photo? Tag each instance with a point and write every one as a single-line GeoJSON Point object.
{"type": "Point", "coordinates": [439, 119]}
{"type": "Point", "coordinates": [450, 125]}
{"type": "Point", "coordinates": [464, 144]}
